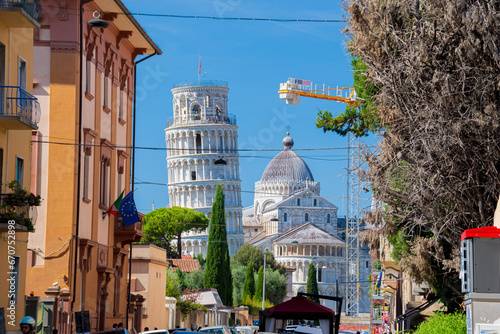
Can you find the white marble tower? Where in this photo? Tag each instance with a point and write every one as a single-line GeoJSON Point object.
{"type": "Point", "coordinates": [200, 133]}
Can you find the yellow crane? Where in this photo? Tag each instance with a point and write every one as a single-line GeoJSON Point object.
{"type": "Point", "coordinates": [294, 88]}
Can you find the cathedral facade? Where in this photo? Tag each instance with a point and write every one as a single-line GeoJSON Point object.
{"type": "Point", "coordinates": [291, 219]}
{"type": "Point", "coordinates": [202, 141]}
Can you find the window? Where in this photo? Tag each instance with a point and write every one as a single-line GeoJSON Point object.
{"type": "Point", "coordinates": [193, 176]}
{"type": "Point", "coordinates": [285, 217]}
{"type": "Point", "coordinates": [315, 202]}
{"type": "Point", "coordinates": [298, 201]}
{"type": "Point", "coordinates": [104, 181]}
{"type": "Point", "coordinates": [120, 105]}
{"type": "Point", "coordinates": [198, 143]}
{"type": "Point", "coordinates": [196, 110]}
{"type": "Point", "coordinates": [20, 171]}
{"type": "Point", "coordinates": [320, 275]}
{"type": "Point", "coordinates": [22, 73]}
{"type": "Point", "coordinates": [86, 163]}
{"type": "Point", "coordinates": [106, 92]}
{"type": "Point", "coordinates": [88, 75]}
{"type": "Point", "coordinates": [328, 218]}
{"type": "Point", "coordinates": [306, 217]}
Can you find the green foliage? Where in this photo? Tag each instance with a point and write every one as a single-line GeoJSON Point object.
{"type": "Point", "coordinates": [275, 286]}
{"type": "Point", "coordinates": [194, 280]}
{"type": "Point", "coordinates": [260, 286]}
{"type": "Point", "coordinates": [218, 272]}
{"type": "Point", "coordinates": [15, 205]}
{"type": "Point", "coordinates": [164, 224]}
{"type": "Point", "coordinates": [400, 246]}
{"type": "Point", "coordinates": [173, 287]}
{"type": "Point", "coordinates": [249, 287]}
{"type": "Point", "coordinates": [238, 274]}
{"type": "Point", "coordinates": [255, 305]}
{"type": "Point", "coordinates": [251, 254]}
{"type": "Point", "coordinates": [312, 282]}
{"type": "Point", "coordinates": [358, 120]}
{"type": "Point", "coordinates": [441, 323]}
{"type": "Point", "coordinates": [187, 306]}
{"type": "Point", "coordinates": [181, 277]}
{"type": "Point", "coordinates": [200, 259]}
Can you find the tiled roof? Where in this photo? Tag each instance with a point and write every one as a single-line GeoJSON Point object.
{"type": "Point", "coordinates": [186, 265]}
{"type": "Point", "coordinates": [308, 233]}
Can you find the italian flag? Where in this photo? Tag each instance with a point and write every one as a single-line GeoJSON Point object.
{"type": "Point", "coordinates": [114, 209]}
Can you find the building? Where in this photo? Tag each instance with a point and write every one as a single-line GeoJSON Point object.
{"type": "Point", "coordinates": [84, 79]}
{"type": "Point", "coordinates": [202, 148]}
{"type": "Point", "coordinates": [291, 219]}
{"type": "Point", "coordinates": [149, 277]}
{"type": "Point", "coordinates": [19, 116]}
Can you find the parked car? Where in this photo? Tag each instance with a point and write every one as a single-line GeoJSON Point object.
{"type": "Point", "coordinates": [175, 330]}
{"type": "Point", "coordinates": [156, 331]}
{"type": "Point", "coordinates": [245, 329]}
{"type": "Point", "coordinates": [114, 331]}
{"type": "Point", "coordinates": [216, 330]}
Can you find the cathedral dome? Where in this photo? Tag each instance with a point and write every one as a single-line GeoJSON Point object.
{"type": "Point", "coordinates": [287, 166]}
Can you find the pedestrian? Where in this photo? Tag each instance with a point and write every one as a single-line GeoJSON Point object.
{"type": "Point", "coordinates": [146, 329]}
{"type": "Point", "coordinates": [28, 325]}
{"type": "Point", "coordinates": [55, 331]}
{"type": "Point", "coordinates": [120, 325]}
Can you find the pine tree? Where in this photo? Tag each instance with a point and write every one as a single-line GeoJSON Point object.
{"type": "Point", "coordinates": [218, 271]}
{"type": "Point", "coordinates": [260, 284]}
{"type": "Point", "coordinates": [249, 285]}
{"type": "Point", "coordinates": [312, 283]}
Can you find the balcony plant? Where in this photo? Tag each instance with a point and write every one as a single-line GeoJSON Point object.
{"type": "Point", "coordinates": [16, 204]}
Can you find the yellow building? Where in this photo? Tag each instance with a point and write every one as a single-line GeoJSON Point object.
{"type": "Point", "coordinates": [82, 162]}
{"type": "Point", "coordinates": [19, 113]}
{"type": "Point", "coordinates": [149, 266]}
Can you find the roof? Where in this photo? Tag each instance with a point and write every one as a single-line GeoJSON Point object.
{"type": "Point", "coordinates": [287, 166]}
{"type": "Point", "coordinates": [126, 22]}
{"type": "Point", "coordinates": [206, 297]}
{"type": "Point", "coordinates": [308, 233]}
{"type": "Point", "coordinates": [299, 307]}
{"type": "Point", "coordinates": [185, 265]}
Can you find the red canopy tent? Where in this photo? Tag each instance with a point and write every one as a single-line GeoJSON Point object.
{"type": "Point", "coordinates": [297, 308]}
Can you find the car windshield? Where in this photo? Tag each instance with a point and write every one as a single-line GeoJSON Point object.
{"type": "Point", "coordinates": [213, 331]}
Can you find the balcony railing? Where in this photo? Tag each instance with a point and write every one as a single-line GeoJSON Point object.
{"type": "Point", "coordinates": [28, 5]}
{"type": "Point", "coordinates": [230, 119]}
{"type": "Point", "coordinates": [15, 102]}
{"type": "Point", "coordinates": [217, 83]}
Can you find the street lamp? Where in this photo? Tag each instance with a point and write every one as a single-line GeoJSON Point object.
{"type": "Point", "coordinates": [97, 22]}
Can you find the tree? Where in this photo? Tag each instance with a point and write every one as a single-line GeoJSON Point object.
{"type": "Point", "coordinates": [173, 286]}
{"type": "Point", "coordinates": [312, 282]}
{"type": "Point", "coordinates": [164, 224]}
{"type": "Point", "coordinates": [238, 274]}
{"type": "Point", "coordinates": [435, 65]}
{"type": "Point", "coordinates": [259, 290]}
{"type": "Point", "coordinates": [194, 280]}
{"type": "Point", "coordinates": [249, 254]}
{"type": "Point", "coordinates": [249, 287]}
{"type": "Point", "coordinates": [218, 271]}
{"type": "Point", "coordinates": [276, 286]}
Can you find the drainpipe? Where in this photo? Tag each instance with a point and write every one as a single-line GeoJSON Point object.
{"type": "Point", "coordinates": [133, 182]}
{"type": "Point", "coordinates": [79, 156]}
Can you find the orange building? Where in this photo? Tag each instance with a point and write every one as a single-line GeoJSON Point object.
{"type": "Point", "coordinates": [19, 112]}
{"type": "Point", "coordinates": [78, 256]}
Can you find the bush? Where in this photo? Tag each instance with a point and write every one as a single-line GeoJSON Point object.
{"type": "Point", "coordinates": [254, 305]}
{"type": "Point", "coordinates": [441, 323]}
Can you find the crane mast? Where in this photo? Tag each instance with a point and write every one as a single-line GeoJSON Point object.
{"type": "Point", "coordinates": [291, 91]}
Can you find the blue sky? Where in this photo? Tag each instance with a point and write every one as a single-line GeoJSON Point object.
{"type": "Point", "coordinates": [253, 57]}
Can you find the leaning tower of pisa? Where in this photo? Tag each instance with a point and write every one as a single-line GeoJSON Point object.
{"type": "Point", "coordinates": [202, 142]}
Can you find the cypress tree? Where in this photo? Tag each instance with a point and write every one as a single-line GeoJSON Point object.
{"type": "Point", "coordinates": [249, 285]}
{"type": "Point", "coordinates": [260, 285]}
{"type": "Point", "coordinates": [312, 283]}
{"type": "Point", "coordinates": [218, 271]}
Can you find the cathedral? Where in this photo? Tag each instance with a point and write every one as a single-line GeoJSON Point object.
{"type": "Point", "coordinates": [202, 151]}
{"type": "Point", "coordinates": [291, 219]}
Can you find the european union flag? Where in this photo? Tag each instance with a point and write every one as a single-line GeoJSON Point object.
{"type": "Point", "coordinates": [128, 211]}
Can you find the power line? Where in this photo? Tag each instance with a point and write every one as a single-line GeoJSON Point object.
{"type": "Point", "coordinates": [220, 152]}
{"type": "Point", "coordinates": [222, 18]}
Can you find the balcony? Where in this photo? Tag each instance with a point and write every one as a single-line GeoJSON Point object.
{"type": "Point", "coordinates": [19, 110]}
{"type": "Point", "coordinates": [19, 14]}
{"type": "Point", "coordinates": [205, 83]}
{"type": "Point", "coordinates": [172, 121]}
{"type": "Point", "coordinates": [128, 234]}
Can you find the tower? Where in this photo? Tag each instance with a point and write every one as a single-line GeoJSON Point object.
{"type": "Point", "coordinates": [202, 142]}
